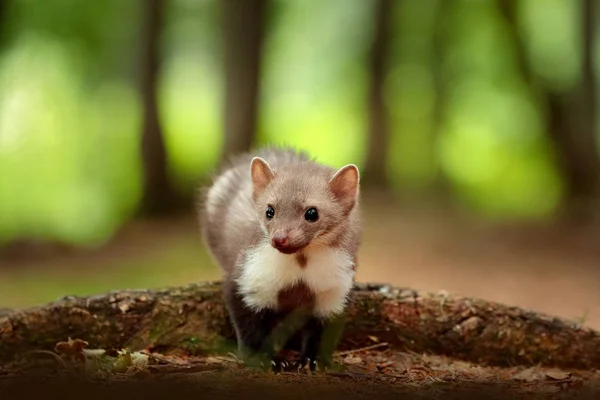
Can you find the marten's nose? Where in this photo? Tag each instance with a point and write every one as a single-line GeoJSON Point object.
{"type": "Point", "coordinates": [280, 240]}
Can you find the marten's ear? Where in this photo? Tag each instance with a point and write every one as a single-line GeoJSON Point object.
{"type": "Point", "coordinates": [261, 174]}
{"type": "Point", "coordinates": [344, 185]}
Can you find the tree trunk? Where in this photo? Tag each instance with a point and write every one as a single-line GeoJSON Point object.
{"type": "Point", "coordinates": [440, 187]}
{"type": "Point", "coordinates": [158, 195]}
{"type": "Point", "coordinates": [571, 119]}
{"type": "Point", "coordinates": [243, 31]}
{"type": "Point", "coordinates": [375, 173]}
{"type": "Point", "coordinates": [194, 319]}
{"type": "Point", "coordinates": [4, 8]}
{"type": "Point", "coordinates": [578, 146]}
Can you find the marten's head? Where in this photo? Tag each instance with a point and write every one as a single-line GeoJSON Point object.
{"type": "Point", "coordinates": [303, 203]}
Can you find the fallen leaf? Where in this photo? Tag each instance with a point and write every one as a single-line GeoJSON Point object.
{"type": "Point", "coordinates": [385, 364]}
{"type": "Point", "coordinates": [123, 362]}
{"type": "Point", "coordinates": [350, 360]}
{"type": "Point", "coordinates": [99, 363]}
{"type": "Point", "coordinates": [72, 349]}
{"type": "Point", "coordinates": [528, 375]}
{"type": "Point", "coordinates": [159, 358]}
{"type": "Point", "coordinates": [374, 339]}
{"type": "Point", "coordinates": [558, 375]}
{"type": "Point", "coordinates": [139, 360]}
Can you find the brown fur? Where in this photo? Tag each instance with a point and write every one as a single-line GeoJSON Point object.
{"type": "Point", "coordinates": [296, 297]}
{"type": "Point", "coordinates": [301, 259]}
{"type": "Point", "coordinates": [233, 222]}
{"type": "Point", "coordinates": [299, 183]}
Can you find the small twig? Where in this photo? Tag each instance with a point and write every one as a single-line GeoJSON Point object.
{"type": "Point", "coordinates": [374, 346]}
{"type": "Point", "coordinates": [236, 358]}
{"type": "Point", "coordinates": [56, 356]}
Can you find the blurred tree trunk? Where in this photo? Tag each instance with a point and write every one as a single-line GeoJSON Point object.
{"type": "Point", "coordinates": [3, 12]}
{"type": "Point", "coordinates": [6, 31]}
{"type": "Point", "coordinates": [243, 24]}
{"type": "Point", "coordinates": [440, 188]}
{"type": "Point", "coordinates": [571, 118]}
{"type": "Point", "coordinates": [378, 137]}
{"type": "Point", "coordinates": [577, 144]}
{"type": "Point", "coordinates": [158, 196]}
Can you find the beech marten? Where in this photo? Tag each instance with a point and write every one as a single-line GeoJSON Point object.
{"type": "Point", "coordinates": [285, 230]}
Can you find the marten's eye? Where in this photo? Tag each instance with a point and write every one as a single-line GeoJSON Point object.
{"type": "Point", "coordinates": [270, 212]}
{"type": "Point", "coordinates": [311, 215]}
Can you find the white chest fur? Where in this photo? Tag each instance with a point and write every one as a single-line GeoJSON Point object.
{"type": "Point", "coordinates": [328, 273]}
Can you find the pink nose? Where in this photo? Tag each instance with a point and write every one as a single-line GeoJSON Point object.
{"type": "Point", "coordinates": [279, 240]}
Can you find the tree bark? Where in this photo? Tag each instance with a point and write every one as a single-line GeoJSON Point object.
{"type": "Point", "coordinates": [194, 319]}
{"type": "Point", "coordinates": [158, 194]}
{"type": "Point", "coordinates": [571, 118]}
{"type": "Point", "coordinates": [378, 136]}
{"type": "Point", "coordinates": [243, 26]}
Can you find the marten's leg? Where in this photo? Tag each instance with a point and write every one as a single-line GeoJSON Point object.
{"type": "Point", "coordinates": [253, 330]}
{"type": "Point", "coordinates": [320, 338]}
{"type": "Point", "coordinates": [311, 342]}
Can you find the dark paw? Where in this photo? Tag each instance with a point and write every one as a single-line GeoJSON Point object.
{"type": "Point", "coordinates": [279, 364]}
{"type": "Point", "coordinates": [320, 364]}
{"type": "Point", "coordinates": [307, 363]}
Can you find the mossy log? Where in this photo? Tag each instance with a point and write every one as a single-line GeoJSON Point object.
{"type": "Point", "coordinates": [193, 319]}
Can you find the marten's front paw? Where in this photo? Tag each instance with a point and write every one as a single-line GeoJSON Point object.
{"type": "Point", "coordinates": [307, 363]}
{"type": "Point", "coordinates": [279, 364]}
{"type": "Point", "coordinates": [320, 364]}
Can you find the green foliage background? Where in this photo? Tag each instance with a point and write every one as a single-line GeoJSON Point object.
{"type": "Point", "coordinates": [70, 113]}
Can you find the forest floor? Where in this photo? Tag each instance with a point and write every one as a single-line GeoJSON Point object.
{"type": "Point", "coordinates": [358, 374]}
{"type": "Point", "coordinates": [546, 269]}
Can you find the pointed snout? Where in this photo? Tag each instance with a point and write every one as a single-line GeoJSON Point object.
{"type": "Point", "coordinates": [280, 240]}
{"type": "Point", "coordinates": [287, 241]}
